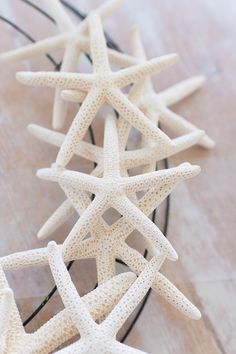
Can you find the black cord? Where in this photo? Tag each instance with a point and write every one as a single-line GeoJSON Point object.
{"type": "Point", "coordinates": [110, 44]}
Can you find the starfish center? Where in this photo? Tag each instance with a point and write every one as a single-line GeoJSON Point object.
{"type": "Point", "coordinates": [103, 82]}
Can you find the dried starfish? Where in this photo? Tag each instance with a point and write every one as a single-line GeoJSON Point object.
{"type": "Point", "coordinates": [74, 41]}
{"type": "Point", "coordinates": [157, 104]}
{"type": "Point", "coordinates": [110, 191]}
{"type": "Point", "coordinates": [98, 338]}
{"type": "Point", "coordinates": [60, 328]}
{"type": "Point", "coordinates": [128, 160]}
{"type": "Point", "coordinates": [102, 86]}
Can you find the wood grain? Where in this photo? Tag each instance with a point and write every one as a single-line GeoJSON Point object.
{"type": "Point", "coordinates": [202, 217]}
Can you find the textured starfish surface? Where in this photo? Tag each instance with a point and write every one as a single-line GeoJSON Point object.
{"type": "Point", "coordinates": [102, 86]}
{"type": "Point", "coordinates": [60, 328]}
{"type": "Point", "coordinates": [98, 338]}
{"type": "Point", "coordinates": [74, 40]}
{"type": "Point", "coordinates": [108, 242]}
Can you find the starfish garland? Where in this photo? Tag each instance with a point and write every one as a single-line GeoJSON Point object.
{"type": "Point", "coordinates": [98, 338]}
{"type": "Point", "coordinates": [106, 242]}
{"type": "Point", "coordinates": [108, 186]}
{"type": "Point", "coordinates": [59, 328]}
{"type": "Point", "coordinates": [74, 41]}
{"type": "Point", "coordinates": [102, 86]}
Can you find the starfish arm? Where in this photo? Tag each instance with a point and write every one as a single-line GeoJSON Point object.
{"type": "Point", "coordinates": [136, 118]}
{"type": "Point", "coordinates": [157, 178]}
{"type": "Point", "coordinates": [146, 227]}
{"type": "Point", "coordinates": [123, 133]}
{"type": "Point", "coordinates": [29, 51]}
{"type": "Point", "coordinates": [161, 285]}
{"type": "Point", "coordinates": [38, 257]}
{"type": "Point", "coordinates": [6, 302]}
{"type": "Point", "coordinates": [89, 217]}
{"type": "Point", "coordinates": [70, 178]}
{"type": "Point", "coordinates": [108, 8]}
{"type": "Point", "coordinates": [121, 59]}
{"type": "Point", "coordinates": [181, 90]}
{"type": "Point", "coordinates": [60, 328]}
{"type": "Point", "coordinates": [86, 150]}
{"type": "Point", "coordinates": [69, 295]}
{"type": "Point", "coordinates": [57, 219]}
{"type": "Point", "coordinates": [98, 47]}
{"type": "Point", "coordinates": [58, 12]}
{"type": "Point", "coordinates": [69, 64]}
{"type": "Point", "coordinates": [105, 263]}
{"type": "Point", "coordinates": [31, 258]}
{"type": "Point", "coordinates": [152, 154]}
{"type": "Point", "coordinates": [131, 299]}
{"type": "Point", "coordinates": [139, 71]}
{"type": "Point", "coordinates": [182, 126]}
{"type": "Point", "coordinates": [150, 201]}
{"type": "Point", "coordinates": [136, 44]}
{"type": "Point", "coordinates": [105, 10]}
{"type": "Point", "coordinates": [111, 160]}
{"type": "Point", "coordinates": [16, 326]}
{"type": "Point", "coordinates": [88, 110]}
{"type": "Point", "coordinates": [46, 135]}
{"type": "Point", "coordinates": [56, 79]}
{"type": "Point", "coordinates": [73, 96]}
{"type": "Point", "coordinates": [172, 295]}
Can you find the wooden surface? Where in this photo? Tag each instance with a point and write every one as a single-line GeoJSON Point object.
{"type": "Point", "coordinates": [202, 217]}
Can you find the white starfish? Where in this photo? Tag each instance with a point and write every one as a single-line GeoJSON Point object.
{"type": "Point", "coordinates": [128, 159]}
{"type": "Point", "coordinates": [102, 86]}
{"type": "Point", "coordinates": [60, 328]}
{"type": "Point", "coordinates": [74, 41]}
{"type": "Point", "coordinates": [110, 191]}
{"type": "Point", "coordinates": [98, 338]}
{"type": "Point", "coordinates": [157, 104]}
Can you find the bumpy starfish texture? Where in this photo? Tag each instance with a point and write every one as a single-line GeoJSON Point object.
{"type": "Point", "coordinates": [98, 338]}
{"type": "Point", "coordinates": [60, 328]}
{"type": "Point", "coordinates": [74, 41]}
{"type": "Point", "coordinates": [102, 86]}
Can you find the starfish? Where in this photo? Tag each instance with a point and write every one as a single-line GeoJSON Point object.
{"type": "Point", "coordinates": [108, 243]}
{"type": "Point", "coordinates": [74, 41]}
{"type": "Point", "coordinates": [157, 104]}
{"type": "Point", "coordinates": [110, 191]}
{"type": "Point", "coordinates": [60, 328]}
{"type": "Point", "coordinates": [98, 338]}
{"type": "Point", "coordinates": [128, 159]}
{"type": "Point", "coordinates": [102, 86]}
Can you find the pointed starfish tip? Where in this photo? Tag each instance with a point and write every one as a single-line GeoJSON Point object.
{"type": "Point", "coordinates": [196, 314]}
